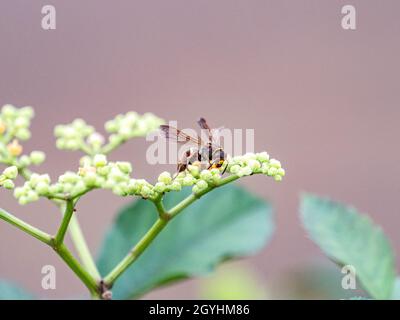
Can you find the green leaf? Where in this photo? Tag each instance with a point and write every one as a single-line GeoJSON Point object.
{"type": "Point", "coordinates": [350, 238]}
{"type": "Point", "coordinates": [10, 291]}
{"type": "Point", "coordinates": [226, 223]}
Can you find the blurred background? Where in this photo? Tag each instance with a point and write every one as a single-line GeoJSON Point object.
{"type": "Point", "coordinates": [323, 100]}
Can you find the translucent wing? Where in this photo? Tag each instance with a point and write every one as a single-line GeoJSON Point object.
{"type": "Point", "coordinates": [213, 134]}
{"type": "Point", "coordinates": [178, 136]}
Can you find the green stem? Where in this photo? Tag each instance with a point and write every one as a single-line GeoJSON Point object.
{"type": "Point", "coordinates": [75, 266]}
{"type": "Point", "coordinates": [135, 252]}
{"type": "Point", "coordinates": [82, 248]}
{"type": "Point", "coordinates": [69, 211]}
{"type": "Point", "coordinates": [158, 226]}
{"type": "Point", "coordinates": [26, 227]}
{"type": "Point", "coordinates": [60, 248]}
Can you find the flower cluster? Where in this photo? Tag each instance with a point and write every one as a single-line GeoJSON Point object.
{"type": "Point", "coordinates": [14, 122]}
{"type": "Point", "coordinates": [78, 135]}
{"type": "Point", "coordinates": [7, 177]}
{"type": "Point", "coordinates": [130, 125]}
{"type": "Point", "coordinates": [94, 173]}
{"type": "Point", "coordinates": [201, 180]}
{"type": "Point", "coordinates": [251, 163]}
{"type": "Point", "coordinates": [98, 173]}
{"type": "Point", "coordinates": [72, 136]}
{"type": "Point", "coordinates": [14, 126]}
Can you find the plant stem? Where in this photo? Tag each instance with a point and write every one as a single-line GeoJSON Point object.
{"type": "Point", "coordinates": [69, 210]}
{"type": "Point", "coordinates": [84, 275]}
{"type": "Point", "coordinates": [60, 248]}
{"type": "Point", "coordinates": [158, 226]}
{"type": "Point", "coordinates": [82, 248]}
{"type": "Point", "coordinates": [76, 233]}
{"type": "Point", "coordinates": [135, 252]}
{"type": "Point", "coordinates": [26, 227]}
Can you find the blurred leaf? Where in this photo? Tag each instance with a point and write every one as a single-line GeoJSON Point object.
{"type": "Point", "coordinates": [351, 239]}
{"type": "Point", "coordinates": [232, 283]}
{"type": "Point", "coordinates": [396, 289]}
{"type": "Point", "coordinates": [226, 223]}
{"type": "Point", "coordinates": [321, 280]}
{"type": "Point", "coordinates": [11, 291]}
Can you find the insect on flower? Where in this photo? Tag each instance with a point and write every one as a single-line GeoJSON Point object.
{"type": "Point", "coordinates": [205, 154]}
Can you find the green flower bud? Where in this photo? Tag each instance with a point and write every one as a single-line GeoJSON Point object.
{"type": "Point", "coordinates": [119, 191]}
{"type": "Point", "coordinates": [32, 196]}
{"type": "Point", "coordinates": [8, 184]}
{"type": "Point", "coordinates": [42, 188]}
{"type": "Point", "coordinates": [90, 179]}
{"type": "Point", "coordinates": [262, 156]}
{"type": "Point", "coordinates": [272, 171]}
{"type": "Point", "coordinates": [72, 144]}
{"type": "Point", "coordinates": [275, 163]}
{"type": "Point", "coordinates": [205, 175]}
{"type": "Point", "coordinates": [27, 112]}
{"type": "Point", "coordinates": [11, 172]}
{"type": "Point", "coordinates": [145, 192]}
{"type": "Point", "coordinates": [201, 184]}
{"type": "Point", "coordinates": [67, 187]}
{"type": "Point", "coordinates": [194, 170]}
{"type": "Point", "coordinates": [100, 160]}
{"type": "Point", "coordinates": [85, 161]}
{"type": "Point", "coordinates": [165, 177]}
{"type": "Point", "coordinates": [281, 172]}
{"type": "Point", "coordinates": [68, 177]}
{"type": "Point", "coordinates": [159, 187]}
{"type": "Point", "coordinates": [61, 144]}
{"type": "Point", "coordinates": [25, 161]}
{"type": "Point", "coordinates": [104, 171]}
{"type": "Point", "coordinates": [245, 171]}
{"type": "Point", "coordinates": [175, 186]}
{"type": "Point", "coordinates": [125, 167]}
{"type": "Point", "coordinates": [254, 164]}
{"type": "Point", "coordinates": [195, 189]}
{"type": "Point", "coordinates": [8, 110]}
{"type": "Point", "coordinates": [21, 122]}
{"type": "Point", "coordinates": [95, 139]}
{"type": "Point", "coordinates": [55, 188]}
{"type": "Point", "coordinates": [111, 126]}
{"type": "Point", "coordinates": [23, 200]}
{"type": "Point", "coordinates": [23, 134]}
{"type": "Point", "coordinates": [188, 180]}
{"type": "Point", "coordinates": [19, 192]}
{"type": "Point", "coordinates": [278, 178]}
{"type": "Point", "coordinates": [37, 157]}
{"type": "Point", "coordinates": [234, 169]}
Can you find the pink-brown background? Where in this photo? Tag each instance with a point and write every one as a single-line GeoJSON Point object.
{"type": "Point", "coordinates": [323, 100]}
